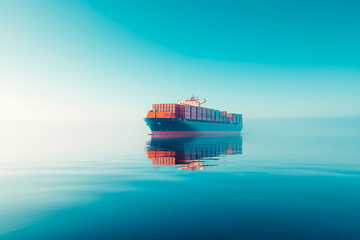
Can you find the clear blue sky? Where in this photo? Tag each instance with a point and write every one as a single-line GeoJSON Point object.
{"type": "Point", "coordinates": [110, 60]}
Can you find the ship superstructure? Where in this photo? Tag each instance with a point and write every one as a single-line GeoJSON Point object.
{"type": "Point", "coordinates": [192, 101]}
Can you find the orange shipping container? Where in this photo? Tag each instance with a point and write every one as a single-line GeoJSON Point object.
{"type": "Point", "coordinates": [151, 114]}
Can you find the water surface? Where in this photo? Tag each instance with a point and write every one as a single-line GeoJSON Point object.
{"type": "Point", "coordinates": [280, 179]}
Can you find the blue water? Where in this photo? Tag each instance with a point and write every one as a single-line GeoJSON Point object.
{"type": "Point", "coordinates": [281, 179]}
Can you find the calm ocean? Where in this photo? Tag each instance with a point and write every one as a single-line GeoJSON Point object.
{"type": "Point", "coordinates": [280, 179]}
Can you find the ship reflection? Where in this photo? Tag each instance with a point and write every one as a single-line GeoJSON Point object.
{"type": "Point", "coordinates": [192, 153]}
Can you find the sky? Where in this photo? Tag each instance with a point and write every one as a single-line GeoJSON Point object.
{"type": "Point", "coordinates": [111, 60]}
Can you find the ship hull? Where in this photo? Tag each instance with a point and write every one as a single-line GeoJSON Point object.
{"type": "Point", "coordinates": [171, 126]}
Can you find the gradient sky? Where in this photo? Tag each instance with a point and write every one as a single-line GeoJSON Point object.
{"type": "Point", "coordinates": [110, 60]}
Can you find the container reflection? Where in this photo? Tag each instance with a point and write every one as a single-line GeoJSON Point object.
{"type": "Point", "coordinates": [190, 152]}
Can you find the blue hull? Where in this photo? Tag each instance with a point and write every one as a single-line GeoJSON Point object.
{"type": "Point", "coordinates": [187, 126]}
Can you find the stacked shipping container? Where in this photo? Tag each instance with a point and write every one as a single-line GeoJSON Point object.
{"type": "Point", "coordinates": [192, 112]}
{"type": "Point", "coordinates": [198, 113]}
{"type": "Point", "coordinates": [234, 118]}
{"type": "Point", "coordinates": [208, 114]}
{"type": "Point", "coordinates": [187, 109]}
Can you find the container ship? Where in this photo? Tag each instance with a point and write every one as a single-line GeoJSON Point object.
{"type": "Point", "coordinates": [187, 117]}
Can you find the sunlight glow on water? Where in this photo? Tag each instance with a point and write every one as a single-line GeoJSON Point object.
{"type": "Point", "coordinates": [102, 182]}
